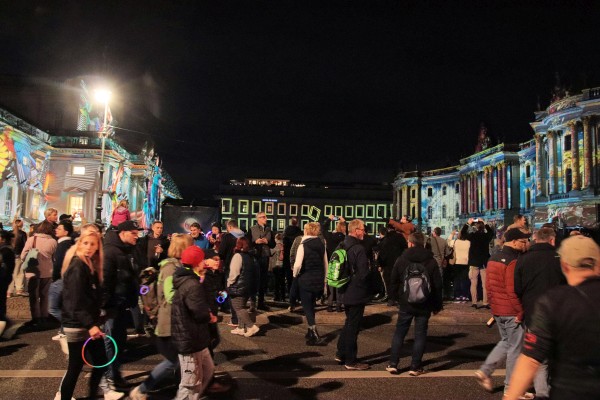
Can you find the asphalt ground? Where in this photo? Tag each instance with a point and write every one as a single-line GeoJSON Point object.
{"type": "Point", "coordinates": [277, 364]}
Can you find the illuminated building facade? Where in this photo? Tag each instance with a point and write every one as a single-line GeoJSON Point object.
{"type": "Point", "coordinates": [553, 177]}
{"type": "Point", "coordinates": [282, 199]}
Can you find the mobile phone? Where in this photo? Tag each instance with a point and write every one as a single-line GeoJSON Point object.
{"type": "Point", "coordinates": [475, 219]}
{"type": "Point", "coordinates": [336, 218]}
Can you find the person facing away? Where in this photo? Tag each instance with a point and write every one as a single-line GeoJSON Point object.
{"type": "Point", "coordinates": [506, 308]}
{"type": "Point", "coordinates": [405, 226]}
{"type": "Point", "coordinates": [479, 253]}
{"type": "Point", "coordinates": [357, 293]}
{"type": "Point", "coordinates": [391, 247]}
{"type": "Point", "coordinates": [415, 257]}
{"type": "Point", "coordinates": [190, 316]}
{"type": "Point", "coordinates": [565, 327]}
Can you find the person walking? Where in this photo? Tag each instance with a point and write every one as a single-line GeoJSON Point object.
{"type": "Point", "coordinates": [165, 292]}
{"type": "Point", "coordinates": [241, 284]}
{"type": "Point", "coordinates": [357, 293]}
{"type": "Point", "coordinates": [506, 308]}
{"type": "Point", "coordinates": [291, 232]}
{"type": "Point", "coordinates": [415, 258]}
{"type": "Point", "coordinates": [310, 268]}
{"type": "Point", "coordinates": [63, 232]}
{"type": "Point", "coordinates": [82, 277]}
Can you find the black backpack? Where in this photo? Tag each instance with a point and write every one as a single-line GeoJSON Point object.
{"type": "Point", "coordinates": [417, 287]}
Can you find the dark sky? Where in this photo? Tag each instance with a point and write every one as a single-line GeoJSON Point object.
{"type": "Point", "coordinates": [328, 90]}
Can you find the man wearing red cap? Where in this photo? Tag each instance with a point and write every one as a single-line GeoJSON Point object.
{"type": "Point", "coordinates": [190, 316]}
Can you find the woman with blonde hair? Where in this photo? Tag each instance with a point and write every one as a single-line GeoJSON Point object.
{"type": "Point", "coordinates": [120, 213]}
{"type": "Point", "coordinates": [82, 277]}
{"type": "Point", "coordinates": [165, 292]}
{"type": "Point", "coordinates": [310, 268]}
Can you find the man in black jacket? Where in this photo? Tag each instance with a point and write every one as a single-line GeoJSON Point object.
{"type": "Point", "coordinates": [357, 293]}
{"type": "Point", "coordinates": [416, 256]}
{"type": "Point", "coordinates": [391, 247]}
{"type": "Point", "coordinates": [290, 233]}
{"type": "Point", "coordinates": [120, 290]}
{"type": "Point", "coordinates": [152, 248]}
{"type": "Point", "coordinates": [536, 272]}
{"type": "Point", "coordinates": [190, 316]}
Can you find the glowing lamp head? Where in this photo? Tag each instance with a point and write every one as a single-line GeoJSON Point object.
{"type": "Point", "coordinates": [103, 95]}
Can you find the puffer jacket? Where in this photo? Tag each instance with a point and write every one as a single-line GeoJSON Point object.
{"type": "Point", "coordinates": [312, 272]}
{"type": "Point", "coordinates": [120, 214]}
{"type": "Point", "coordinates": [190, 314]}
{"type": "Point", "coordinates": [120, 288]}
{"type": "Point", "coordinates": [46, 246]}
{"type": "Point", "coordinates": [500, 284]}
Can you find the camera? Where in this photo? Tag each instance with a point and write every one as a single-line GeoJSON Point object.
{"type": "Point", "coordinates": [336, 218]}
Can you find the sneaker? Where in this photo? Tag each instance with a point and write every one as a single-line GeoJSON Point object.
{"type": "Point", "coordinates": [291, 308]}
{"type": "Point", "coordinates": [391, 369]}
{"type": "Point", "coordinates": [113, 395]}
{"type": "Point", "coordinates": [484, 380]}
{"type": "Point", "coordinates": [357, 366]}
{"type": "Point", "coordinates": [338, 359]}
{"type": "Point", "coordinates": [135, 394]}
{"type": "Point", "coordinates": [253, 330]}
{"type": "Point", "coordinates": [58, 397]}
{"type": "Point", "coordinates": [524, 396]}
{"type": "Point", "coordinates": [238, 331]}
{"type": "Point", "coordinates": [232, 324]}
{"type": "Point", "coordinates": [416, 372]}
{"type": "Point", "coordinates": [59, 336]}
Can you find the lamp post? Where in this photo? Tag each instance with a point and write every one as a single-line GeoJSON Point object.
{"type": "Point", "coordinates": [103, 96]}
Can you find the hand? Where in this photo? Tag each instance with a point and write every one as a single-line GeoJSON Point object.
{"type": "Point", "coordinates": [518, 320]}
{"type": "Point", "coordinates": [470, 221]}
{"type": "Point", "coordinates": [379, 269]}
{"type": "Point", "coordinates": [95, 333]}
{"type": "Point", "coordinates": [331, 216]}
{"type": "Point", "coordinates": [342, 219]}
{"type": "Point", "coordinates": [158, 249]}
{"type": "Point", "coordinates": [213, 319]}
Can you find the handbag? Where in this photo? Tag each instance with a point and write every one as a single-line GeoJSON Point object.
{"type": "Point", "coordinates": [30, 264]}
{"type": "Point", "coordinates": [452, 256]}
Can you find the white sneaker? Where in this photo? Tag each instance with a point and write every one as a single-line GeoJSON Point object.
{"type": "Point", "coordinates": [57, 396]}
{"type": "Point", "coordinates": [113, 395]}
{"type": "Point", "coordinates": [238, 331]}
{"type": "Point", "coordinates": [252, 331]}
{"type": "Point", "coordinates": [135, 394]}
{"type": "Point", "coordinates": [59, 336]}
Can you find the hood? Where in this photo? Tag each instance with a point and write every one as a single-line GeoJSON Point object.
{"type": "Point", "coordinates": [292, 230]}
{"type": "Point", "coordinates": [417, 254]}
{"type": "Point", "coordinates": [237, 233]}
{"type": "Point", "coordinates": [111, 238]}
{"type": "Point", "coordinates": [541, 247]}
{"type": "Point", "coordinates": [183, 274]}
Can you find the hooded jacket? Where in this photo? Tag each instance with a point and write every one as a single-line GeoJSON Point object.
{"type": "Point", "coordinates": [190, 314]}
{"type": "Point", "coordinates": [228, 241]}
{"type": "Point", "coordinates": [358, 291]}
{"type": "Point", "coordinates": [423, 256]}
{"type": "Point", "coordinates": [119, 214]}
{"type": "Point", "coordinates": [500, 283]}
{"type": "Point", "coordinates": [120, 288]}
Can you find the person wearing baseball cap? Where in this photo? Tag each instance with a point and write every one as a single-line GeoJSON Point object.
{"type": "Point", "coordinates": [190, 316]}
{"type": "Point", "coordinates": [565, 328]}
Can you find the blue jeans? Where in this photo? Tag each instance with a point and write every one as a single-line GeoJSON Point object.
{"type": "Point", "coordinates": [402, 326]}
{"type": "Point", "coordinates": [55, 299]}
{"type": "Point", "coordinates": [165, 368]}
{"type": "Point", "coordinates": [116, 327]}
{"type": "Point", "coordinates": [507, 349]}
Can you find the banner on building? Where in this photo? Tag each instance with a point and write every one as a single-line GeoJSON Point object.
{"type": "Point", "coordinates": [177, 219]}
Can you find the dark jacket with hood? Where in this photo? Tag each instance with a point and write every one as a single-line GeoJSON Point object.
{"type": "Point", "coordinates": [190, 314]}
{"type": "Point", "coordinates": [80, 297]}
{"type": "Point", "coordinates": [120, 287]}
{"type": "Point", "coordinates": [537, 271]}
{"type": "Point", "coordinates": [359, 290]}
{"type": "Point", "coordinates": [290, 233]}
{"type": "Point", "coordinates": [422, 256]}
{"type": "Point", "coordinates": [228, 241]}
{"type": "Point", "coordinates": [7, 259]}
{"type": "Point", "coordinates": [391, 247]}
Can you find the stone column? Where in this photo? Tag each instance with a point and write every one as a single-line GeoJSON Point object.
{"type": "Point", "coordinates": [587, 152]}
{"type": "Point", "coordinates": [574, 156]}
{"type": "Point", "coordinates": [552, 161]}
{"type": "Point", "coordinates": [538, 164]}
{"type": "Point", "coordinates": [463, 195]}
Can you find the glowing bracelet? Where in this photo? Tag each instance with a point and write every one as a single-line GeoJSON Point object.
{"type": "Point", "coordinates": [144, 289]}
{"type": "Point", "coordinates": [99, 366]}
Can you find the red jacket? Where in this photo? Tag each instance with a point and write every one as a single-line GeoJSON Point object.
{"type": "Point", "coordinates": [500, 284]}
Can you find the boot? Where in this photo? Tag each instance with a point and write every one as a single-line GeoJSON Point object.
{"type": "Point", "coordinates": [314, 339]}
{"type": "Point", "coordinates": [308, 334]}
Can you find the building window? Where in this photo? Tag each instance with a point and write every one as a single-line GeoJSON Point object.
{"type": "Point", "coordinates": [381, 211]}
{"type": "Point", "coordinates": [528, 171]}
{"type": "Point", "coordinates": [444, 189]}
{"type": "Point", "coordinates": [444, 211]}
{"type": "Point", "coordinates": [304, 209]}
{"type": "Point", "coordinates": [78, 170]}
{"type": "Point", "coordinates": [243, 223]}
{"type": "Point", "coordinates": [457, 210]}
{"type": "Point", "coordinates": [226, 206]}
{"type": "Point", "coordinates": [256, 207]}
{"type": "Point", "coordinates": [269, 208]}
{"type": "Point", "coordinates": [527, 198]}
{"type": "Point", "coordinates": [360, 211]}
{"type": "Point", "coordinates": [412, 212]}
{"type": "Point", "coordinates": [314, 213]}
{"type": "Point", "coordinates": [349, 212]}
{"type": "Point", "coordinates": [370, 211]}
{"type": "Point", "coordinates": [339, 211]}
{"type": "Point", "coordinates": [281, 208]}
{"type": "Point", "coordinates": [457, 188]}
{"type": "Point", "coordinates": [281, 225]}
{"type": "Point", "coordinates": [293, 210]}
{"type": "Point", "coordinates": [412, 193]}
{"type": "Point", "coordinates": [243, 207]}
{"type": "Point", "coordinates": [328, 210]}
{"type": "Point", "coordinates": [75, 206]}
{"type": "Point", "coordinates": [443, 230]}
{"type": "Point", "coordinates": [567, 145]}
{"type": "Point", "coordinates": [429, 212]}
{"type": "Point", "coordinates": [568, 180]}
{"type": "Point", "coordinates": [429, 192]}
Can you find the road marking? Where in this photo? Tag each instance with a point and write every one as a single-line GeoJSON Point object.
{"type": "Point", "coordinates": [452, 373]}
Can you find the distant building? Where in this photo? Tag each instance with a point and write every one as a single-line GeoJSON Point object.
{"type": "Point", "coordinates": [553, 177]}
{"type": "Point", "coordinates": [283, 199]}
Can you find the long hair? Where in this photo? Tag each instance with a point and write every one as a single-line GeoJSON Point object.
{"type": "Point", "coordinates": [242, 245]}
{"type": "Point", "coordinates": [179, 242]}
{"type": "Point", "coordinates": [97, 259]}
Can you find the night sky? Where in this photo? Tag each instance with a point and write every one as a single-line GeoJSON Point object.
{"type": "Point", "coordinates": [332, 91]}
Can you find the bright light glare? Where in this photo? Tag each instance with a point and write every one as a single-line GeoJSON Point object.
{"type": "Point", "coordinates": [103, 95]}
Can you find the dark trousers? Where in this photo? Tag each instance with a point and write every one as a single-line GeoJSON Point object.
{"type": "Point", "coordinates": [116, 327]}
{"type": "Point", "coordinates": [263, 280]}
{"type": "Point", "coordinates": [4, 284]}
{"type": "Point", "coordinates": [294, 292]}
{"type": "Point", "coordinates": [95, 355]}
{"type": "Point", "coordinates": [462, 284]}
{"type": "Point", "coordinates": [387, 279]}
{"type": "Point", "coordinates": [347, 346]}
{"type": "Point", "coordinates": [289, 278]}
{"type": "Point", "coordinates": [279, 275]}
{"type": "Point", "coordinates": [308, 299]}
{"type": "Point", "coordinates": [38, 289]}
{"type": "Point", "coordinates": [402, 326]}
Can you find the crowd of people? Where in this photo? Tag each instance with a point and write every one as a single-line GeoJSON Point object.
{"type": "Point", "coordinates": [174, 287]}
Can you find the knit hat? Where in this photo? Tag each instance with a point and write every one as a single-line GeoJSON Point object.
{"type": "Point", "coordinates": [193, 256]}
{"type": "Point", "coordinates": [578, 251]}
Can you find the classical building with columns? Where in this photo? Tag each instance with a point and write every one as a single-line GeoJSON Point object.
{"type": "Point", "coordinates": [552, 177]}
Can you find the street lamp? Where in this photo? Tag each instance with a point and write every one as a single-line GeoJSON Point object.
{"type": "Point", "coordinates": [102, 96]}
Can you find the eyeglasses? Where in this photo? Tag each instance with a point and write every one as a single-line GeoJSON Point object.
{"type": "Point", "coordinates": [263, 216]}
{"type": "Point", "coordinates": [360, 229]}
